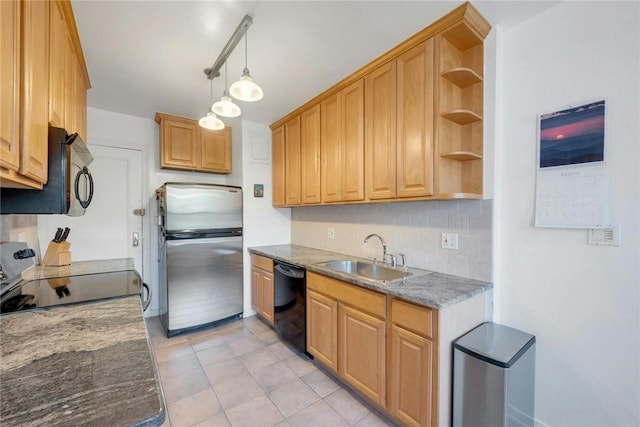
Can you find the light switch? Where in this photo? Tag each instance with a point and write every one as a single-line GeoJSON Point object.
{"type": "Point", "coordinates": [331, 233]}
{"type": "Point", "coordinates": [450, 241]}
{"type": "Point", "coordinates": [608, 236]}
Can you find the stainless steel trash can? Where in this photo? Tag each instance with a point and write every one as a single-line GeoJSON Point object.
{"type": "Point", "coordinates": [493, 377]}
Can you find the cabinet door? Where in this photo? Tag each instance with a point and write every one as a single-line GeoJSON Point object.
{"type": "Point", "coordinates": [331, 148]}
{"type": "Point", "coordinates": [322, 329]}
{"type": "Point", "coordinates": [362, 352]}
{"type": "Point", "coordinates": [81, 101]}
{"type": "Point", "coordinates": [415, 121]}
{"type": "Point", "coordinates": [10, 85]}
{"type": "Point", "coordinates": [256, 289]}
{"type": "Point", "coordinates": [310, 155]}
{"type": "Point", "coordinates": [267, 296]}
{"type": "Point", "coordinates": [215, 146]}
{"type": "Point", "coordinates": [58, 47]}
{"type": "Point", "coordinates": [380, 113]}
{"type": "Point", "coordinates": [278, 166]}
{"type": "Point", "coordinates": [352, 113]}
{"type": "Point", "coordinates": [178, 144]}
{"type": "Point", "coordinates": [292, 161]}
{"type": "Point", "coordinates": [262, 293]}
{"type": "Point", "coordinates": [35, 90]}
{"type": "Point", "coordinates": [410, 375]}
{"type": "Point", "coordinates": [69, 86]}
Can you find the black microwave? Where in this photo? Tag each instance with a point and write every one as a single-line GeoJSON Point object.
{"type": "Point", "coordinates": [69, 189]}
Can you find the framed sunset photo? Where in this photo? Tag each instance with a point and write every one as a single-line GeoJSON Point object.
{"type": "Point", "coordinates": [572, 136]}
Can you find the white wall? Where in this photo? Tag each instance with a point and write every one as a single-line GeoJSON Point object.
{"type": "Point", "coordinates": [582, 302]}
{"type": "Point", "coordinates": [121, 130]}
{"type": "Point", "coordinates": [263, 224]}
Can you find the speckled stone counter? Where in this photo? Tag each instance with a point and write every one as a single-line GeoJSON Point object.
{"type": "Point", "coordinates": [87, 364]}
{"type": "Point", "coordinates": [431, 289]}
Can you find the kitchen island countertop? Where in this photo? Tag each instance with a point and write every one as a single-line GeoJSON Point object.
{"type": "Point", "coordinates": [435, 290]}
{"type": "Point", "coordinates": [81, 364]}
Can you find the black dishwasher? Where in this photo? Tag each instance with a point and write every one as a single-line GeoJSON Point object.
{"type": "Point", "coordinates": [289, 305]}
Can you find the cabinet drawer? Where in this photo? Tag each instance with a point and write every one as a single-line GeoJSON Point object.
{"type": "Point", "coordinates": [364, 299]}
{"type": "Point", "coordinates": [262, 262]}
{"type": "Point", "coordinates": [413, 317]}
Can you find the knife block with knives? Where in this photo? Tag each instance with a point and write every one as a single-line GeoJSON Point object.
{"type": "Point", "coordinates": [58, 253]}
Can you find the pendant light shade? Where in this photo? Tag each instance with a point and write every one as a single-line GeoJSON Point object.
{"type": "Point", "coordinates": [211, 121]}
{"type": "Point", "coordinates": [225, 107]}
{"type": "Point", "coordinates": [246, 89]}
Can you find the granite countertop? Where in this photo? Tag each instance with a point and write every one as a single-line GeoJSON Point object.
{"type": "Point", "coordinates": [431, 289]}
{"type": "Point", "coordinates": [83, 364]}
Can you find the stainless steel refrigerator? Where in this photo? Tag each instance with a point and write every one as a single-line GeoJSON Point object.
{"type": "Point", "coordinates": [200, 255]}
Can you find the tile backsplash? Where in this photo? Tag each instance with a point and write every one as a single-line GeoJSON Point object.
{"type": "Point", "coordinates": [412, 228]}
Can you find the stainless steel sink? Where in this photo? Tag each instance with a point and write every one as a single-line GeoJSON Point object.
{"type": "Point", "coordinates": [366, 269]}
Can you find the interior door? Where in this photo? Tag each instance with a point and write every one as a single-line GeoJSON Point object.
{"type": "Point", "coordinates": [107, 229]}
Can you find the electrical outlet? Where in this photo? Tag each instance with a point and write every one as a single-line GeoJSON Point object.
{"type": "Point", "coordinates": [450, 241]}
{"type": "Point", "coordinates": [22, 237]}
{"type": "Point", "coordinates": [331, 233]}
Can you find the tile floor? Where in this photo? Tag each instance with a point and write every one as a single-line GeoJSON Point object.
{"type": "Point", "coordinates": [241, 374]}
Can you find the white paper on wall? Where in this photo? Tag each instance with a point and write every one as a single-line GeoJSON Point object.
{"type": "Point", "coordinates": [571, 184]}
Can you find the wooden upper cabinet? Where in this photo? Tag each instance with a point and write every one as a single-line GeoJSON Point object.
{"type": "Point", "coordinates": [331, 151]}
{"type": "Point", "coordinates": [35, 90]}
{"type": "Point", "coordinates": [59, 47]}
{"type": "Point", "coordinates": [68, 79]}
{"type": "Point", "coordinates": [415, 121]}
{"type": "Point", "coordinates": [380, 119]}
{"type": "Point", "coordinates": [353, 141]}
{"type": "Point", "coordinates": [179, 142]}
{"type": "Point", "coordinates": [278, 166]}
{"type": "Point", "coordinates": [310, 155]}
{"type": "Point", "coordinates": [10, 86]}
{"type": "Point", "coordinates": [185, 145]}
{"type": "Point", "coordinates": [292, 161]}
{"type": "Point", "coordinates": [216, 150]}
{"type": "Point", "coordinates": [422, 121]}
{"type": "Point", "coordinates": [342, 145]}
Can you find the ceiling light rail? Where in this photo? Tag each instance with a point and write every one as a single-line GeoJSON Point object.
{"type": "Point", "coordinates": [245, 89]}
{"type": "Point", "coordinates": [237, 35]}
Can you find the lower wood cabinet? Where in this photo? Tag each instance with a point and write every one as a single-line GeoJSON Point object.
{"type": "Point", "coordinates": [322, 329]}
{"type": "Point", "coordinates": [346, 333]}
{"type": "Point", "coordinates": [262, 291]}
{"type": "Point", "coordinates": [382, 346]}
{"type": "Point", "coordinates": [362, 352]}
{"type": "Point", "coordinates": [412, 368]}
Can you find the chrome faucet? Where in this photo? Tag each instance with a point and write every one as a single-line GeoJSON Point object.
{"type": "Point", "coordinates": [384, 247]}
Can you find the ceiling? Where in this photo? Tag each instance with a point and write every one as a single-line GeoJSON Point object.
{"type": "Point", "coordinates": [148, 56]}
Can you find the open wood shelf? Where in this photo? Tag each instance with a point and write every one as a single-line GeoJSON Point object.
{"type": "Point", "coordinates": [462, 76]}
{"type": "Point", "coordinates": [462, 116]}
{"type": "Point", "coordinates": [443, 196]}
{"type": "Point", "coordinates": [462, 156]}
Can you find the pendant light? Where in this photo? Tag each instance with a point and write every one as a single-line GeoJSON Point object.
{"type": "Point", "coordinates": [245, 89]}
{"type": "Point", "coordinates": [225, 107]}
{"type": "Point", "coordinates": [211, 121]}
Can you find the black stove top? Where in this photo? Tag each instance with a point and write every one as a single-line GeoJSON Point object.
{"type": "Point", "coordinates": [58, 291]}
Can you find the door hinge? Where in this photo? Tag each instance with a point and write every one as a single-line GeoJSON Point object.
{"type": "Point", "coordinates": [139, 212]}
